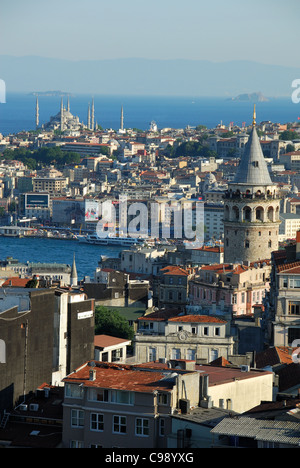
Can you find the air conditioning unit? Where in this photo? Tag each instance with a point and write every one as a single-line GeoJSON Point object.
{"type": "Point", "coordinates": [245, 368]}
{"type": "Point", "coordinates": [33, 407]}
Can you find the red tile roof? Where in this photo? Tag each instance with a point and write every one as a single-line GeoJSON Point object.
{"type": "Point", "coordinates": [103, 341]}
{"type": "Point", "coordinates": [196, 319]}
{"type": "Point", "coordinates": [219, 375]}
{"type": "Point", "coordinates": [273, 356]}
{"type": "Point", "coordinates": [16, 282]}
{"type": "Point", "coordinates": [120, 377]}
{"type": "Point", "coordinates": [175, 270]}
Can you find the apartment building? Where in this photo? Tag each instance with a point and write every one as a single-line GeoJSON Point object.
{"type": "Point", "coordinates": [50, 184]}
{"type": "Point", "coordinates": [235, 286]}
{"type": "Point", "coordinates": [167, 335]}
{"type": "Point", "coordinates": [290, 224]}
{"type": "Point", "coordinates": [112, 405]}
{"type": "Point", "coordinates": [283, 300]}
{"type": "Point", "coordinates": [173, 287]}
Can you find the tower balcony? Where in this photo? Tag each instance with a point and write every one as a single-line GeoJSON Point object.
{"type": "Point", "coordinates": [242, 197]}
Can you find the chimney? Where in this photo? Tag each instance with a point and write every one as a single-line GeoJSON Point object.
{"type": "Point", "coordinates": [92, 375]}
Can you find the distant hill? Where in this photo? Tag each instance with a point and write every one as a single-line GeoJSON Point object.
{"type": "Point", "coordinates": [253, 97]}
{"type": "Point", "coordinates": [134, 76]}
{"type": "Point", "coordinates": [49, 93]}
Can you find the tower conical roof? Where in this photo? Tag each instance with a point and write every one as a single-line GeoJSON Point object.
{"type": "Point", "coordinates": [74, 269]}
{"type": "Point", "coordinates": [253, 169]}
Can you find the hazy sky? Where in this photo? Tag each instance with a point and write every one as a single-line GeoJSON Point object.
{"type": "Point", "coordinates": [218, 30]}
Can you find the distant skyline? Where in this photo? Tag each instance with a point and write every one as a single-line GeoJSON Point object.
{"type": "Point", "coordinates": [262, 31]}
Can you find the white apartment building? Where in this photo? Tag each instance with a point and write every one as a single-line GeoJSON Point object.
{"type": "Point", "coordinates": [290, 224]}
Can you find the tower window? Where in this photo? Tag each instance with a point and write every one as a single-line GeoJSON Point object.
{"type": "Point", "coordinates": [255, 163]}
{"type": "Point", "coordinates": [270, 244]}
{"type": "Point", "coordinates": [247, 244]}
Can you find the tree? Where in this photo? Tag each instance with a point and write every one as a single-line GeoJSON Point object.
{"type": "Point", "coordinates": [289, 135]}
{"type": "Point", "coordinates": [289, 148]}
{"type": "Point", "coordinates": [110, 322]}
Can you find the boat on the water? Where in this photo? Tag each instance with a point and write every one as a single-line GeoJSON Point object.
{"type": "Point", "coordinates": [117, 241]}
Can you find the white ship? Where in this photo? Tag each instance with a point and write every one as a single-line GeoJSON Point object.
{"type": "Point", "coordinates": [110, 240]}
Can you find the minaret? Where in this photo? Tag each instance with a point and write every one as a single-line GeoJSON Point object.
{"type": "Point", "coordinates": [62, 115]}
{"type": "Point", "coordinates": [93, 116]}
{"type": "Point", "coordinates": [37, 116]}
{"type": "Point", "coordinates": [74, 276]}
{"type": "Point", "coordinates": [251, 207]}
{"type": "Point", "coordinates": [89, 118]}
{"type": "Point", "coordinates": [122, 119]}
{"type": "Point", "coordinates": [68, 105]}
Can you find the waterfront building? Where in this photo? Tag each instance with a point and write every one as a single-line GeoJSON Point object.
{"type": "Point", "coordinates": [251, 208]}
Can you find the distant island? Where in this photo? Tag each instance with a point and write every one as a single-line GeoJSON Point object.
{"type": "Point", "coordinates": [252, 97]}
{"type": "Point", "coordinates": [49, 93]}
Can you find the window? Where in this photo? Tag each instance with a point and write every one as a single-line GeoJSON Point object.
{"type": "Point", "coordinates": [162, 399]}
{"type": "Point", "coordinates": [175, 353]}
{"type": "Point", "coordinates": [294, 308]}
{"type": "Point", "coordinates": [294, 283]}
{"type": "Point", "coordinates": [243, 297]}
{"type": "Point", "coordinates": [191, 354]}
{"type": "Point", "coordinates": [217, 331]}
{"type": "Point", "coordinates": [205, 331]}
{"type": "Point", "coordinates": [162, 424]}
{"type": "Point", "coordinates": [102, 395]}
{"type": "Point", "coordinates": [116, 354]}
{"type": "Point", "coordinates": [142, 427]}
{"type": "Point", "coordinates": [73, 391]}
{"type": "Point", "coordinates": [152, 354]}
{"type": "Point", "coordinates": [76, 444]}
{"type": "Point", "coordinates": [194, 330]}
{"type": "Point", "coordinates": [122, 397]}
{"type": "Point", "coordinates": [77, 418]}
{"type": "Point", "coordinates": [96, 422]}
{"type": "Point", "coordinates": [119, 424]}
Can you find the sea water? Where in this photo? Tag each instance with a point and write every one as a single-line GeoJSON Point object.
{"type": "Point", "coordinates": [18, 113]}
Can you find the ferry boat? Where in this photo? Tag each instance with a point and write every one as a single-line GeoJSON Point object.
{"type": "Point", "coordinates": [110, 240]}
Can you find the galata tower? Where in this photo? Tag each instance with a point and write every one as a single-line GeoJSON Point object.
{"type": "Point", "coordinates": [251, 208]}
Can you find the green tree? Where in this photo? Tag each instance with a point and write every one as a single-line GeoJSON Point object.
{"type": "Point", "coordinates": [289, 148]}
{"type": "Point", "coordinates": [289, 135]}
{"type": "Point", "coordinates": [110, 322]}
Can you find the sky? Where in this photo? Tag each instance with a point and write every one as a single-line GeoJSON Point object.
{"type": "Point", "coordinates": [265, 31]}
